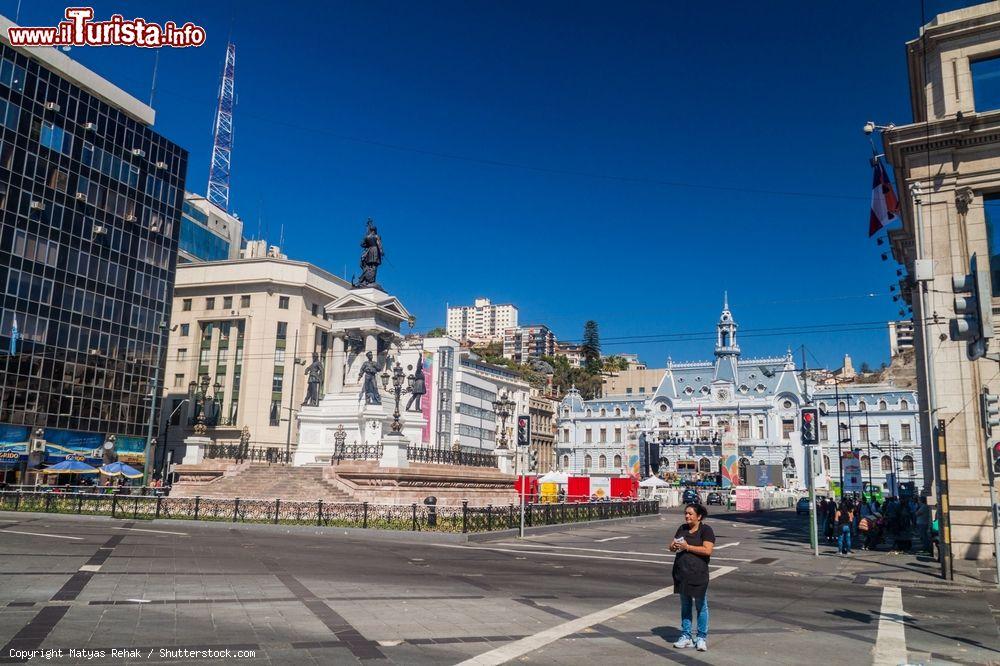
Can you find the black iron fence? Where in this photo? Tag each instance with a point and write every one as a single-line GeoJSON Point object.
{"type": "Point", "coordinates": [88, 489]}
{"type": "Point", "coordinates": [240, 453]}
{"type": "Point", "coordinates": [410, 517]}
{"type": "Point", "coordinates": [356, 452]}
{"type": "Point", "coordinates": [473, 458]}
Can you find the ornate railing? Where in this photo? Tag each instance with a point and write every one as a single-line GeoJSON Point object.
{"type": "Point", "coordinates": [240, 453]}
{"type": "Point", "coordinates": [356, 452]}
{"type": "Point", "coordinates": [472, 458]}
{"type": "Point", "coordinates": [409, 517]}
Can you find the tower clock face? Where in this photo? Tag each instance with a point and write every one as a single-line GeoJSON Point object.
{"type": "Point", "coordinates": [722, 394]}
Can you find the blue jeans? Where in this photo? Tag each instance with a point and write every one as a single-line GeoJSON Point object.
{"type": "Point", "coordinates": [686, 608]}
{"type": "Point", "coordinates": [844, 543]}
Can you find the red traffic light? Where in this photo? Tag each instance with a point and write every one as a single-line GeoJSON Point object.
{"type": "Point", "coordinates": [996, 449]}
{"type": "Point", "coordinates": [807, 417]}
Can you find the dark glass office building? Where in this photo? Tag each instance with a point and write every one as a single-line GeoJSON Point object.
{"type": "Point", "coordinates": [90, 206]}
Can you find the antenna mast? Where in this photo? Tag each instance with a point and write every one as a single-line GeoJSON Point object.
{"type": "Point", "coordinates": [222, 145]}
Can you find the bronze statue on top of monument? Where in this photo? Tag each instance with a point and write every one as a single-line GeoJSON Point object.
{"type": "Point", "coordinates": [371, 258]}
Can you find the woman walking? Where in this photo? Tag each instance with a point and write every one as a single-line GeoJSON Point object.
{"type": "Point", "coordinates": [844, 518]}
{"type": "Point", "coordinates": [693, 542]}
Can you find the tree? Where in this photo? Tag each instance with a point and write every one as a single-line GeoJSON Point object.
{"type": "Point", "coordinates": [865, 368]}
{"type": "Point", "coordinates": [591, 347]}
{"type": "Point", "coordinates": [615, 364]}
{"type": "Point", "coordinates": [438, 332]}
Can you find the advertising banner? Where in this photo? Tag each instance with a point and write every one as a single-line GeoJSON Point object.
{"type": "Point", "coordinates": [632, 455]}
{"type": "Point", "coordinates": [425, 401]}
{"type": "Point", "coordinates": [765, 475]}
{"type": "Point", "coordinates": [600, 486]}
{"type": "Point", "coordinates": [852, 472]}
{"type": "Point", "coordinates": [131, 450]}
{"type": "Point", "coordinates": [730, 459]}
{"type": "Point", "coordinates": [578, 488]}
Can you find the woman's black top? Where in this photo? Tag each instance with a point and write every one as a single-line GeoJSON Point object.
{"type": "Point", "coordinates": [691, 570]}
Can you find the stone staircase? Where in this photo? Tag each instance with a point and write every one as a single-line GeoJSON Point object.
{"type": "Point", "coordinates": [267, 482]}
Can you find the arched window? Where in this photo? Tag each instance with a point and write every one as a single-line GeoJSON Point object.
{"type": "Point", "coordinates": [789, 463]}
{"type": "Point", "coordinates": [602, 462]}
{"type": "Point", "coordinates": [826, 462]}
{"type": "Point", "coordinates": [589, 412]}
{"type": "Point", "coordinates": [842, 406]}
{"type": "Point", "coordinates": [882, 405]}
{"type": "Point", "coordinates": [588, 461]}
{"type": "Point", "coordinates": [604, 412]}
{"type": "Point", "coordinates": [566, 411]}
{"type": "Point", "coordinates": [618, 411]}
{"type": "Point", "coordinates": [886, 463]}
{"type": "Point", "coordinates": [618, 462]}
{"type": "Point", "coordinates": [862, 405]}
{"type": "Point", "coordinates": [904, 404]}
{"type": "Point", "coordinates": [866, 463]}
{"type": "Point", "coordinates": [822, 406]}
{"type": "Point", "coordinates": [565, 462]}
{"type": "Point", "coordinates": [907, 465]}
{"type": "Point", "coordinates": [704, 465]}
{"type": "Point", "coordinates": [631, 411]}
{"type": "Point", "coordinates": [761, 462]}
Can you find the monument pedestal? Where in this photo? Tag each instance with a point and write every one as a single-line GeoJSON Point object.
{"type": "Point", "coordinates": [505, 461]}
{"type": "Point", "coordinates": [194, 449]}
{"type": "Point", "coordinates": [394, 452]}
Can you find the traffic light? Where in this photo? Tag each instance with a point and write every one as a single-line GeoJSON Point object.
{"type": "Point", "coordinates": [533, 460]}
{"type": "Point", "coordinates": [989, 405]}
{"type": "Point", "coordinates": [973, 304]}
{"type": "Point", "coordinates": [994, 456]}
{"type": "Point", "coordinates": [523, 430]}
{"type": "Point", "coordinates": [810, 425]}
{"type": "Point", "coordinates": [815, 460]}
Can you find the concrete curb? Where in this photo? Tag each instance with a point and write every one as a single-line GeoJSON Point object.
{"type": "Point", "coordinates": [374, 534]}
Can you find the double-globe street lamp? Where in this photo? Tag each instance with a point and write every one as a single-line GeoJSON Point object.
{"type": "Point", "coordinates": [397, 391]}
{"type": "Point", "coordinates": [198, 395]}
{"type": "Point", "coordinates": [503, 407]}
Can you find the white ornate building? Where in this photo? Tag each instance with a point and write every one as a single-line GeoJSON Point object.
{"type": "Point", "coordinates": [694, 403]}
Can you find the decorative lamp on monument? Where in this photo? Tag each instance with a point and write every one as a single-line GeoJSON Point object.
{"type": "Point", "coordinates": [397, 390]}
{"type": "Point", "coordinates": [502, 407]}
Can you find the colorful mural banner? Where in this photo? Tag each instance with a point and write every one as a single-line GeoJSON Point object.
{"type": "Point", "coordinates": [130, 449]}
{"type": "Point", "coordinates": [425, 400]}
{"type": "Point", "coordinates": [730, 457]}
{"type": "Point", "coordinates": [600, 486]}
{"type": "Point", "coordinates": [632, 455]}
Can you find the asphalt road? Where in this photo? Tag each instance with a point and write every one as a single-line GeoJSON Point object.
{"type": "Point", "coordinates": [582, 595]}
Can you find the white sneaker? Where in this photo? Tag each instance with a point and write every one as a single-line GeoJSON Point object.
{"type": "Point", "coordinates": [701, 645]}
{"type": "Point", "coordinates": [684, 642]}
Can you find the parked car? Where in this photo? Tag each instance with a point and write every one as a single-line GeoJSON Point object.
{"type": "Point", "coordinates": [714, 498]}
{"type": "Point", "coordinates": [802, 506]}
{"type": "Point", "coordinates": [690, 496]}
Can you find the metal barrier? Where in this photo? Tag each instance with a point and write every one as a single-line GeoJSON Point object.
{"type": "Point", "coordinates": [240, 453]}
{"type": "Point", "coordinates": [408, 517]}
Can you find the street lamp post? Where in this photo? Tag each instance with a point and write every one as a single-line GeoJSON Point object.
{"type": "Point", "coordinates": [502, 407]}
{"type": "Point", "coordinates": [397, 391]}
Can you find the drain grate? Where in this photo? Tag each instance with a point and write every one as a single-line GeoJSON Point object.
{"type": "Point", "coordinates": [764, 560]}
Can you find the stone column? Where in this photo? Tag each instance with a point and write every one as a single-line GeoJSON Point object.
{"type": "Point", "coordinates": [335, 376]}
{"type": "Point", "coordinates": [371, 342]}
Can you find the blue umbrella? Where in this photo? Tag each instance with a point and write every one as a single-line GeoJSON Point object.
{"type": "Point", "coordinates": [70, 467]}
{"type": "Point", "coordinates": [121, 469]}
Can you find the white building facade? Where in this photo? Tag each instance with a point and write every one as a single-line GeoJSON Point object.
{"type": "Point", "coordinates": [757, 399]}
{"type": "Point", "coordinates": [481, 322]}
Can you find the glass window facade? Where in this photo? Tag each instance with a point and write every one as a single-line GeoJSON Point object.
{"type": "Point", "coordinates": [986, 83]}
{"type": "Point", "coordinates": [86, 277]}
{"type": "Point", "coordinates": [200, 242]}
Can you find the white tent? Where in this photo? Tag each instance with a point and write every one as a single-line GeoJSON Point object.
{"type": "Point", "coordinates": [554, 477]}
{"type": "Point", "coordinates": [653, 482]}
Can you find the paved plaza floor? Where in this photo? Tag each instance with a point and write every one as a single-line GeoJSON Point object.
{"type": "Point", "coordinates": [166, 592]}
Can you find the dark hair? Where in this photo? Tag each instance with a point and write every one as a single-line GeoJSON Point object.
{"type": "Point", "coordinates": [699, 509]}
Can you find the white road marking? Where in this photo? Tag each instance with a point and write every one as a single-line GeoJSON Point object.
{"type": "Point", "coordinates": [528, 644]}
{"type": "Point", "coordinates": [90, 567]}
{"type": "Point", "coordinates": [547, 553]}
{"type": "Point", "coordinates": [610, 539]}
{"type": "Point", "coordinates": [890, 642]}
{"type": "Point", "coordinates": [139, 601]}
{"type": "Point", "coordinates": [139, 529]}
{"type": "Point", "coordinates": [726, 545]}
{"type": "Point", "coordinates": [521, 544]}
{"type": "Point", "coordinates": [51, 536]}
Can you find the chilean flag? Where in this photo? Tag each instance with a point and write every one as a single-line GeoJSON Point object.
{"type": "Point", "coordinates": [885, 205]}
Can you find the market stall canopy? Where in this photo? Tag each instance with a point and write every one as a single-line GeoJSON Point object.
{"type": "Point", "coordinates": [554, 477]}
{"type": "Point", "coordinates": [70, 467]}
{"type": "Point", "coordinates": [653, 482]}
{"type": "Point", "coordinates": [121, 469]}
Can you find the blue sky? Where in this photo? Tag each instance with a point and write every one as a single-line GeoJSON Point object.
{"type": "Point", "coordinates": [609, 161]}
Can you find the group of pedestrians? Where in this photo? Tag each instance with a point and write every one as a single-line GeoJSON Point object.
{"type": "Point", "coordinates": [900, 522]}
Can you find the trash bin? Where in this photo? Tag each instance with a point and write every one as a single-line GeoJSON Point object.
{"type": "Point", "coordinates": [431, 502]}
